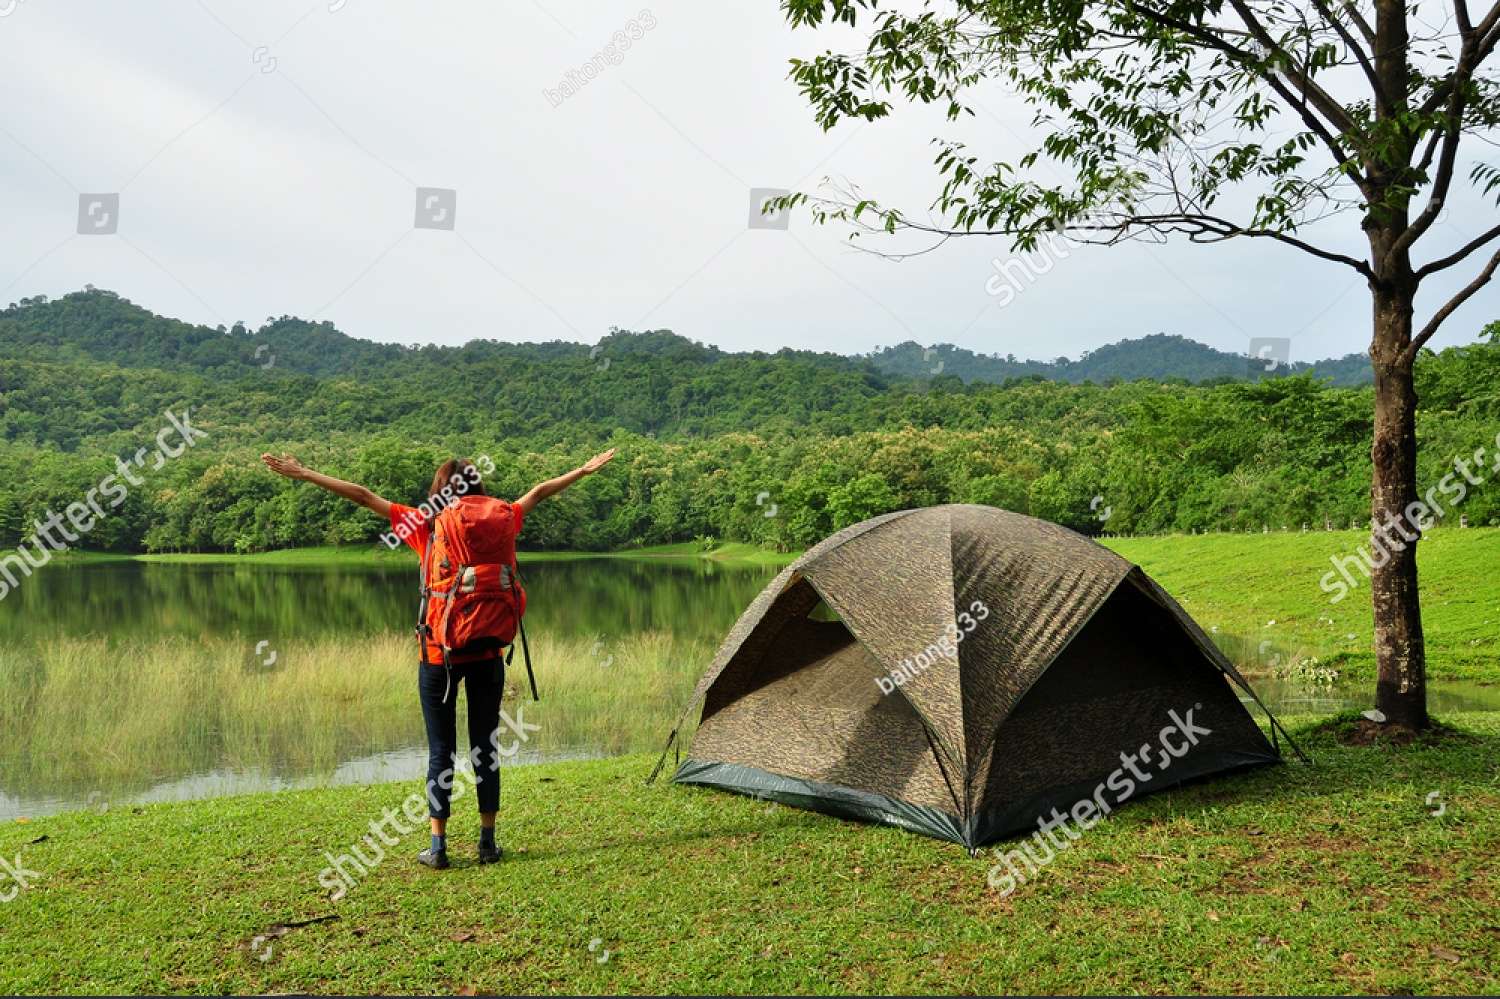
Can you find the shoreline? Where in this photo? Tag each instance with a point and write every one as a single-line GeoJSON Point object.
{"type": "Point", "coordinates": [725, 551]}
{"type": "Point", "coordinates": [1257, 595]}
{"type": "Point", "coordinates": [733, 552]}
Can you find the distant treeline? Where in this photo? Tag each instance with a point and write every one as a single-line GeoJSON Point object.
{"type": "Point", "coordinates": [1158, 357]}
{"type": "Point", "coordinates": [778, 449]}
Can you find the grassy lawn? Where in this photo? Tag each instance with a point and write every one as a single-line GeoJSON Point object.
{"type": "Point", "coordinates": [1262, 593]}
{"type": "Point", "coordinates": [1336, 877]}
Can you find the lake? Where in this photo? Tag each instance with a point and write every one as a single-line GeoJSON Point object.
{"type": "Point", "coordinates": [127, 682]}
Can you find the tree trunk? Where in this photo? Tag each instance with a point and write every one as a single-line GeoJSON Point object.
{"type": "Point", "coordinates": [1400, 651]}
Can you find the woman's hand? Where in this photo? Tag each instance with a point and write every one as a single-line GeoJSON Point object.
{"type": "Point", "coordinates": [285, 464]}
{"type": "Point", "coordinates": [597, 462]}
{"type": "Point", "coordinates": [552, 487]}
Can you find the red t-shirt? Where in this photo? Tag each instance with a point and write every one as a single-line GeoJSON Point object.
{"type": "Point", "coordinates": [415, 528]}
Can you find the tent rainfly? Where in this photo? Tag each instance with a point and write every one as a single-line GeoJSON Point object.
{"type": "Point", "coordinates": [961, 671]}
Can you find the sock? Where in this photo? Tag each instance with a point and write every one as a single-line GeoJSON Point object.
{"type": "Point", "coordinates": [487, 836]}
{"type": "Point", "coordinates": [439, 843]}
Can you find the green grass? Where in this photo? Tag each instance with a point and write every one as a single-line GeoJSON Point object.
{"type": "Point", "coordinates": [1262, 593]}
{"type": "Point", "coordinates": [319, 555]}
{"type": "Point", "coordinates": [728, 551]}
{"type": "Point", "coordinates": [72, 556]}
{"type": "Point", "coordinates": [1293, 879]}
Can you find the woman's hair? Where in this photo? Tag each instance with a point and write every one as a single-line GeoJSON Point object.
{"type": "Point", "coordinates": [455, 477]}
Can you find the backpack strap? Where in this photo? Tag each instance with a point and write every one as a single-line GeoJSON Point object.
{"type": "Point", "coordinates": [510, 576]}
{"type": "Point", "coordinates": [447, 675]}
{"type": "Point", "coordinates": [443, 633]}
{"type": "Point", "coordinates": [423, 632]}
{"type": "Point", "coordinates": [526, 652]}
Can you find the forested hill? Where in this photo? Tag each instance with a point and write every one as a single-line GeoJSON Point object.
{"type": "Point", "coordinates": [97, 325]}
{"type": "Point", "coordinates": [93, 364]}
{"type": "Point", "coordinates": [706, 437]}
{"type": "Point", "coordinates": [1158, 357]}
{"type": "Point", "coordinates": [101, 326]}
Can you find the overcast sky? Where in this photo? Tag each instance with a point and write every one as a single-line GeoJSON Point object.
{"type": "Point", "coordinates": [267, 155]}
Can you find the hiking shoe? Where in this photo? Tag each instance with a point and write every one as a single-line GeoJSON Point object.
{"type": "Point", "coordinates": [490, 854]}
{"type": "Point", "coordinates": [437, 860]}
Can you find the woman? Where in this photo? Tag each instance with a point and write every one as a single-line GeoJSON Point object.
{"type": "Point", "coordinates": [479, 666]}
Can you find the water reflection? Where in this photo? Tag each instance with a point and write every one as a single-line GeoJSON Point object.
{"type": "Point", "coordinates": [696, 598]}
{"type": "Point", "coordinates": [1292, 698]}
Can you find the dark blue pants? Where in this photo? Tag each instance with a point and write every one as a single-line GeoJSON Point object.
{"type": "Point", "coordinates": [484, 681]}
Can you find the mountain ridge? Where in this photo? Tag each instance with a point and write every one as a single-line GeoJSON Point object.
{"type": "Point", "coordinates": [95, 324]}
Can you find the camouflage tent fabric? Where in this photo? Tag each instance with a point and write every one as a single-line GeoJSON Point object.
{"type": "Point", "coordinates": [961, 671]}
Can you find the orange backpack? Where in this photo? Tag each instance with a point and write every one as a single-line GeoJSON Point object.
{"type": "Point", "coordinates": [471, 587]}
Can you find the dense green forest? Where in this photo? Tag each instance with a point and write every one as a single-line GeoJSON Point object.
{"type": "Point", "coordinates": [1158, 357]}
{"type": "Point", "coordinates": [778, 449]}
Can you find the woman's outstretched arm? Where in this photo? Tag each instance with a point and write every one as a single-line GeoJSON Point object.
{"type": "Point", "coordinates": [285, 464]}
{"type": "Point", "coordinates": [552, 487]}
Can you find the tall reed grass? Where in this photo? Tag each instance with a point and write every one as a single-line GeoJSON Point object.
{"type": "Point", "coordinates": [97, 712]}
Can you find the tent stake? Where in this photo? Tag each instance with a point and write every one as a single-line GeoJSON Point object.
{"type": "Point", "coordinates": [672, 738]}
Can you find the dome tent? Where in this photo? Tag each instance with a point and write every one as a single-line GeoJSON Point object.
{"type": "Point", "coordinates": [959, 671]}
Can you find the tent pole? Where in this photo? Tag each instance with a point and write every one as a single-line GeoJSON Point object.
{"type": "Point", "coordinates": [1275, 722]}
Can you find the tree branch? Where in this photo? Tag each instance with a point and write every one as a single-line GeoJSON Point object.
{"type": "Point", "coordinates": [1427, 154]}
{"type": "Point", "coordinates": [1440, 184]}
{"type": "Point", "coordinates": [1475, 48]}
{"type": "Point", "coordinates": [1360, 22]}
{"type": "Point", "coordinates": [1443, 263]}
{"type": "Point", "coordinates": [1359, 53]}
{"type": "Point", "coordinates": [1331, 109]}
{"type": "Point", "coordinates": [1463, 296]}
{"type": "Point", "coordinates": [1483, 38]}
{"type": "Point", "coordinates": [1228, 230]}
{"type": "Point", "coordinates": [1210, 40]}
{"type": "Point", "coordinates": [1488, 22]}
{"type": "Point", "coordinates": [1472, 52]}
{"type": "Point", "coordinates": [1191, 223]}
